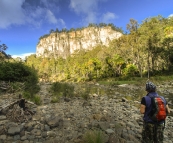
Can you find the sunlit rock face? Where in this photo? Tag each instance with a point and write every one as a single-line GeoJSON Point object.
{"type": "Point", "coordinates": [65, 43]}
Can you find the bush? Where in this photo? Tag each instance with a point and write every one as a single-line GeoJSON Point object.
{"type": "Point", "coordinates": [55, 99]}
{"type": "Point", "coordinates": [18, 72]}
{"type": "Point", "coordinates": [130, 70]}
{"type": "Point", "coordinates": [14, 71]}
{"type": "Point", "coordinates": [16, 86]}
{"type": "Point", "coordinates": [37, 100]}
{"type": "Point", "coordinates": [61, 89]}
{"type": "Point", "coordinates": [86, 93]}
{"type": "Point", "coordinates": [34, 98]}
{"type": "Point", "coordinates": [31, 85]}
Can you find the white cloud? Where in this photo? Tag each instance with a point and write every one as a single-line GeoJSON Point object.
{"type": "Point", "coordinates": [11, 13]}
{"type": "Point", "coordinates": [50, 17]}
{"type": "Point", "coordinates": [37, 12]}
{"type": "Point", "coordinates": [23, 12]}
{"type": "Point", "coordinates": [22, 56]}
{"type": "Point", "coordinates": [50, 4]}
{"type": "Point", "coordinates": [61, 21]}
{"type": "Point", "coordinates": [171, 15]}
{"type": "Point", "coordinates": [91, 17]}
{"type": "Point", "coordinates": [107, 17]}
{"type": "Point", "coordinates": [53, 20]}
{"type": "Point", "coordinates": [34, 16]}
{"type": "Point", "coordinates": [87, 8]}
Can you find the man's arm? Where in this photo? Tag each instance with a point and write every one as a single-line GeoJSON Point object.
{"type": "Point", "coordinates": [167, 109]}
{"type": "Point", "coordinates": [142, 109]}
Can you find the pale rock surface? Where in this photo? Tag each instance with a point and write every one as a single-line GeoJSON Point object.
{"type": "Point", "coordinates": [65, 43]}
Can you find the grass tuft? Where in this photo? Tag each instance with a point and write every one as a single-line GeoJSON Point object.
{"type": "Point", "coordinates": [93, 136]}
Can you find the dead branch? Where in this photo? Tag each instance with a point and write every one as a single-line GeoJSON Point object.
{"type": "Point", "coordinates": [8, 105]}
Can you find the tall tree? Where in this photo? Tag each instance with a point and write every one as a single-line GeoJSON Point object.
{"type": "Point", "coordinates": [3, 55]}
{"type": "Point", "coordinates": [151, 32]}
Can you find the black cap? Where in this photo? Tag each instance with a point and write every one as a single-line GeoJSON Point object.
{"type": "Point", "coordinates": [150, 87]}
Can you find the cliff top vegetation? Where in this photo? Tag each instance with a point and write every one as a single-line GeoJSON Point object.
{"type": "Point", "coordinates": [101, 25]}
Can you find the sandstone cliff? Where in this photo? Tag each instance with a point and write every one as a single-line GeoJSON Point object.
{"type": "Point", "coordinates": [65, 43]}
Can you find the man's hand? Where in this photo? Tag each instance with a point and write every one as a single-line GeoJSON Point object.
{"type": "Point", "coordinates": [142, 109]}
{"type": "Point", "coordinates": [167, 109]}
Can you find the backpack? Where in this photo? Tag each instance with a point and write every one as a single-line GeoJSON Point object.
{"type": "Point", "coordinates": [158, 111]}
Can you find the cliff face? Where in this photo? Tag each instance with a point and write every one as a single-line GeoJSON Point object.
{"type": "Point", "coordinates": [65, 43]}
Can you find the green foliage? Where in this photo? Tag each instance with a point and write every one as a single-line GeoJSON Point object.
{"type": "Point", "coordinates": [130, 70]}
{"type": "Point", "coordinates": [37, 100]}
{"type": "Point", "coordinates": [15, 72]}
{"type": "Point", "coordinates": [27, 95]}
{"type": "Point", "coordinates": [55, 99]}
{"type": "Point", "coordinates": [147, 47]}
{"type": "Point", "coordinates": [115, 28]}
{"type": "Point", "coordinates": [17, 86]}
{"type": "Point", "coordinates": [18, 73]}
{"type": "Point", "coordinates": [61, 89]}
{"type": "Point", "coordinates": [93, 136]}
{"type": "Point", "coordinates": [3, 55]}
{"type": "Point", "coordinates": [86, 93]}
{"type": "Point", "coordinates": [34, 98]}
{"type": "Point", "coordinates": [31, 83]}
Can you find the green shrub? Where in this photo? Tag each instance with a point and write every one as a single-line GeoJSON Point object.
{"type": "Point", "coordinates": [19, 72]}
{"type": "Point", "coordinates": [61, 89]}
{"type": "Point", "coordinates": [27, 95]}
{"type": "Point", "coordinates": [55, 99]}
{"type": "Point", "coordinates": [14, 71]}
{"type": "Point", "coordinates": [37, 100]}
{"type": "Point", "coordinates": [85, 93]}
{"type": "Point", "coordinates": [16, 86]}
{"type": "Point", "coordinates": [34, 98]}
{"type": "Point", "coordinates": [93, 136]}
{"type": "Point", "coordinates": [130, 70]}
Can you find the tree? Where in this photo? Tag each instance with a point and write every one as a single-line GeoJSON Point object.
{"type": "Point", "coordinates": [132, 26]}
{"type": "Point", "coordinates": [51, 31]}
{"type": "Point", "coordinates": [3, 47]}
{"type": "Point", "coordinates": [168, 44]}
{"type": "Point", "coordinates": [130, 70]}
{"type": "Point", "coordinates": [57, 30]}
{"type": "Point", "coordinates": [151, 38]}
{"type": "Point", "coordinates": [3, 55]}
{"type": "Point", "coordinates": [92, 25]}
{"type": "Point", "coordinates": [64, 30]}
{"type": "Point", "coordinates": [72, 29]}
{"type": "Point", "coordinates": [102, 25]}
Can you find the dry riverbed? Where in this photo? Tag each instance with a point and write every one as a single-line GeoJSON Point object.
{"type": "Point", "coordinates": [69, 120]}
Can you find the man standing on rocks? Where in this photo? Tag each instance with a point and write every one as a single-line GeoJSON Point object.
{"type": "Point", "coordinates": [152, 131]}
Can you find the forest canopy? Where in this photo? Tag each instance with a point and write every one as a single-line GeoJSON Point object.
{"type": "Point", "coordinates": [146, 47]}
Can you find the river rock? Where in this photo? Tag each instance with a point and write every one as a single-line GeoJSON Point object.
{"type": "Point", "coordinates": [14, 130]}
{"type": "Point", "coordinates": [54, 121]}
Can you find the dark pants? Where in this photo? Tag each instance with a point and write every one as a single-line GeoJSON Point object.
{"type": "Point", "coordinates": [152, 133]}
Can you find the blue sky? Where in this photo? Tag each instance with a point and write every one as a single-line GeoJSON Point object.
{"type": "Point", "coordinates": [23, 22]}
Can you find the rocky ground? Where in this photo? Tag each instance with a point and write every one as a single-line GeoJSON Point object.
{"type": "Point", "coordinates": [69, 120]}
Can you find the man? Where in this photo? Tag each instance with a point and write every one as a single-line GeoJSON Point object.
{"type": "Point", "coordinates": [152, 131]}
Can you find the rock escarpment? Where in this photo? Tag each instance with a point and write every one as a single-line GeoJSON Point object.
{"type": "Point", "coordinates": [65, 43]}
